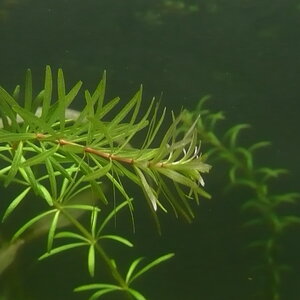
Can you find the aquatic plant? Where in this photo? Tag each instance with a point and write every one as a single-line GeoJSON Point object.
{"type": "Point", "coordinates": [74, 166]}
{"type": "Point", "coordinates": [259, 204]}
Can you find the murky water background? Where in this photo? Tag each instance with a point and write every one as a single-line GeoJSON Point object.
{"type": "Point", "coordinates": [244, 53]}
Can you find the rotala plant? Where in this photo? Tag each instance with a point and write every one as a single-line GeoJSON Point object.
{"type": "Point", "coordinates": [258, 201]}
{"type": "Point", "coordinates": [72, 163]}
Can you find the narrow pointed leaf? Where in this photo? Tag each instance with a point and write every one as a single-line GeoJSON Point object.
{"type": "Point", "coordinates": [132, 268]}
{"type": "Point", "coordinates": [52, 178]}
{"type": "Point", "coordinates": [61, 249]}
{"type": "Point", "coordinates": [137, 295]}
{"type": "Point", "coordinates": [118, 239]}
{"type": "Point", "coordinates": [126, 109]}
{"type": "Point", "coordinates": [15, 164]}
{"type": "Point", "coordinates": [7, 103]}
{"type": "Point", "coordinates": [147, 189]}
{"type": "Point", "coordinates": [91, 260]}
{"type": "Point", "coordinates": [102, 292]}
{"type": "Point", "coordinates": [47, 93]}
{"type": "Point", "coordinates": [96, 286]}
{"type": "Point", "coordinates": [52, 231]}
{"type": "Point", "coordinates": [151, 265]}
{"type": "Point", "coordinates": [98, 173]}
{"type": "Point", "coordinates": [40, 158]}
{"type": "Point", "coordinates": [14, 203]}
{"type": "Point", "coordinates": [31, 222]}
{"type": "Point", "coordinates": [108, 107]}
{"type": "Point", "coordinates": [110, 216]}
{"type": "Point", "coordinates": [43, 191]}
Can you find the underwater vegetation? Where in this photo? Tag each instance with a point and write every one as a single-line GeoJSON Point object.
{"type": "Point", "coordinates": [261, 206]}
{"type": "Point", "coordinates": [67, 169]}
{"type": "Point", "coordinates": [67, 176]}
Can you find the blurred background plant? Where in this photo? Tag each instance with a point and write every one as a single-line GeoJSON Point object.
{"type": "Point", "coordinates": [253, 185]}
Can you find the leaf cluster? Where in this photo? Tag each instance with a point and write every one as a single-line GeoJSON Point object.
{"type": "Point", "coordinates": [70, 161]}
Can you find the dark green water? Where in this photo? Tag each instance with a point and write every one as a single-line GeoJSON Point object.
{"type": "Point", "coordinates": [246, 54]}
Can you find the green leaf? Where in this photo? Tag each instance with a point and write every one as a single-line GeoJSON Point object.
{"type": "Point", "coordinates": [16, 93]}
{"type": "Point", "coordinates": [94, 217]}
{"type": "Point", "coordinates": [131, 132]}
{"type": "Point", "coordinates": [31, 222]}
{"type": "Point", "coordinates": [62, 105]}
{"type": "Point", "coordinates": [110, 216]}
{"type": "Point", "coordinates": [61, 87]}
{"type": "Point", "coordinates": [102, 292]}
{"type": "Point", "coordinates": [33, 120]}
{"type": "Point", "coordinates": [57, 166]}
{"type": "Point", "coordinates": [44, 193]}
{"type": "Point", "coordinates": [176, 176]}
{"type": "Point", "coordinates": [150, 266]}
{"type": "Point", "coordinates": [173, 200]}
{"type": "Point", "coordinates": [96, 286]}
{"type": "Point", "coordinates": [41, 157]}
{"type": "Point", "coordinates": [164, 145]}
{"type": "Point", "coordinates": [232, 134]}
{"type": "Point", "coordinates": [137, 295]}
{"type": "Point", "coordinates": [285, 198]}
{"type": "Point", "coordinates": [29, 177]}
{"type": "Point", "coordinates": [52, 178]}
{"type": "Point", "coordinates": [186, 211]}
{"type": "Point", "coordinates": [52, 231]}
{"type": "Point", "coordinates": [6, 107]}
{"type": "Point", "coordinates": [72, 235]}
{"type": "Point", "coordinates": [14, 203]}
{"type": "Point", "coordinates": [214, 118]}
{"type": "Point", "coordinates": [126, 109]}
{"type": "Point", "coordinates": [60, 111]}
{"type": "Point", "coordinates": [103, 288]}
{"type": "Point", "coordinates": [271, 173]}
{"type": "Point", "coordinates": [47, 93]}
{"type": "Point", "coordinates": [15, 164]}
{"type": "Point", "coordinates": [7, 137]}
{"type": "Point", "coordinates": [202, 102]}
{"type": "Point", "coordinates": [118, 184]}
{"type": "Point", "coordinates": [4, 122]}
{"type": "Point", "coordinates": [108, 107]}
{"type": "Point", "coordinates": [153, 128]}
{"type": "Point", "coordinates": [82, 207]}
{"type": "Point", "coordinates": [147, 189]}
{"type": "Point", "coordinates": [100, 172]}
{"type": "Point", "coordinates": [90, 116]}
{"type": "Point", "coordinates": [259, 145]}
{"type": "Point", "coordinates": [98, 191]}
{"type": "Point", "coordinates": [86, 169]}
{"type": "Point", "coordinates": [248, 159]}
{"type": "Point", "coordinates": [129, 174]}
{"type": "Point", "coordinates": [132, 268]}
{"type": "Point", "coordinates": [117, 238]}
{"type": "Point", "coordinates": [91, 260]}
{"type": "Point", "coordinates": [71, 95]}
{"type": "Point", "coordinates": [232, 174]}
{"type": "Point", "coordinates": [61, 249]}
{"type": "Point", "coordinates": [100, 93]}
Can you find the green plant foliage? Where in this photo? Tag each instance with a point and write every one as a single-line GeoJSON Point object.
{"type": "Point", "coordinates": [130, 277]}
{"type": "Point", "coordinates": [59, 158]}
{"type": "Point", "coordinates": [256, 182]}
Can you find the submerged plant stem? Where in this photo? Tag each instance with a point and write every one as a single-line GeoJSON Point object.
{"type": "Point", "coordinates": [114, 272]}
